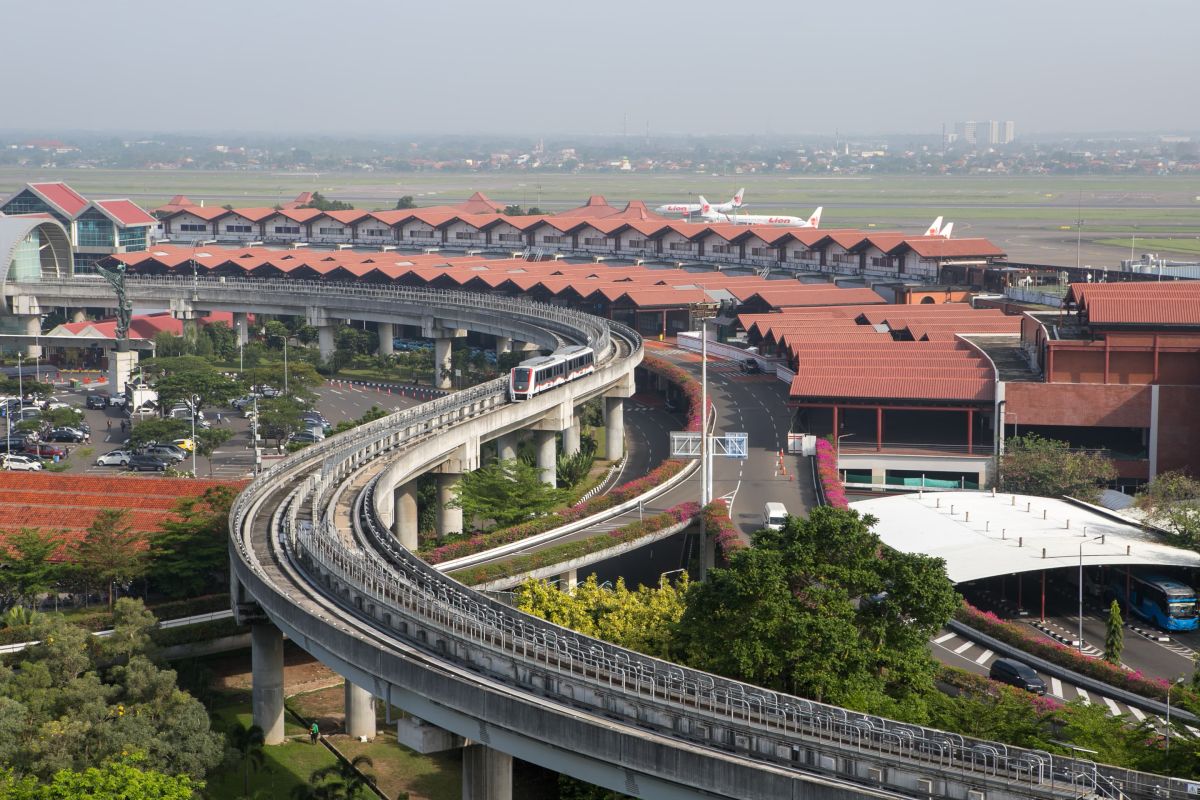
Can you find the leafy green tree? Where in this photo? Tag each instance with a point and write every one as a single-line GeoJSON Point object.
{"type": "Point", "coordinates": [1172, 501]}
{"type": "Point", "coordinates": [115, 779]}
{"type": "Point", "coordinates": [62, 417]}
{"type": "Point", "coordinates": [275, 332]}
{"type": "Point", "coordinates": [222, 340]}
{"type": "Point", "coordinates": [153, 430]}
{"type": "Point", "coordinates": [506, 492]}
{"type": "Point", "coordinates": [405, 202]}
{"type": "Point", "coordinates": [168, 345]}
{"type": "Point", "coordinates": [12, 386]}
{"type": "Point", "coordinates": [324, 204]}
{"type": "Point", "coordinates": [1049, 468]}
{"type": "Point", "coordinates": [343, 780]}
{"type": "Point", "coordinates": [191, 551]}
{"type": "Point", "coordinates": [570, 470]}
{"type": "Point", "coordinates": [62, 711]}
{"type": "Point", "coordinates": [208, 440]}
{"type": "Point", "coordinates": [822, 609]}
{"type": "Point", "coordinates": [278, 418]}
{"type": "Point", "coordinates": [643, 619]}
{"type": "Point", "coordinates": [355, 341]}
{"type": "Point", "coordinates": [132, 624]}
{"type": "Point", "coordinates": [27, 569]}
{"type": "Point", "coordinates": [1114, 634]}
{"type": "Point", "coordinates": [247, 743]}
{"type": "Point", "coordinates": [112, 550]}
{"type": "Point", "coordinates": [209, 386]}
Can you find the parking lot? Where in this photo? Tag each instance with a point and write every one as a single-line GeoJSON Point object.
{"type": "Point", "coordinates": [235, 459]}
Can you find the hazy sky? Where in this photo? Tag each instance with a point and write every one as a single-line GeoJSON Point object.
{"type": "Point", "coordinates": [554, 66]}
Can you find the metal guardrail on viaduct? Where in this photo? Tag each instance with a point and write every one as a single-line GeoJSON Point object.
{"type": "Point", "coordinates": [312, 558]}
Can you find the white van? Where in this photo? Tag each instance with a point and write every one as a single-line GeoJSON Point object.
{"type": "Point", "coordinates": [774, 516]}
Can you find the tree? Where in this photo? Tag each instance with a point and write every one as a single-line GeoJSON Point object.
{"type": "Point", "coordinates": [505, 491]}
{"type": "Point", "coordinates": [1172, 501]}
{"type": "Point", "coordinates": [149, 431]}
{"type": "Point", "coordinates": [406, 201]}
{"type": "Point", "coordinates": [112, 550]}
{"type": "Point", "coordinates": [1049, 468]}
{"type": "Point", "coordinates": [62, 417]}
{"type": "Point", "coordinates": [61, 710]}
{"type": "Point", "coordinates": [324, 204]}
{"type": "Point", "coordinates": [342, 780]}
{"type": "Point", "coordinates": [191, 551]}
{"type": "Point", "coordinates": [278, 418]}
{"type": "Point", "coordinates": [115, 779]}
{"type": "Point", "coordinates": [27, 570]}
{"type": "Point", "coordinates": [207, 386]}
{"type": "Point", "coordinates": [1114, 634]}
{"type": "Point", "coordinates": [208, 440]}
{"type": "Point", "coordinates": [248, 743]}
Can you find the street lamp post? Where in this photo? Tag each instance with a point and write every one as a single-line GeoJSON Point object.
{"type": "Point", "coordinates": [1100, 539]}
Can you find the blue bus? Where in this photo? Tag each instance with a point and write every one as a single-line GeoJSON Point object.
{"type": "Point", "coordinates": [1165, 602]}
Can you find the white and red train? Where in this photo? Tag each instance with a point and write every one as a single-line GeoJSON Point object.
{"type": "Point", "coordinates": [536, 375]}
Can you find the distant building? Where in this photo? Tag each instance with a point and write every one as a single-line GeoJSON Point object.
{"type": "Point", "coordinates": [985, 134]}
{"type": "Point", "coordinates": [97, 228]}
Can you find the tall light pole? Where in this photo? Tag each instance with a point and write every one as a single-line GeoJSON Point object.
{"type": "Point", "coordinates": [1100, 539]}
{"type": "Point", "coordinates": [194, 410]}
{"type": "Point", "coordinates": [704, 466]}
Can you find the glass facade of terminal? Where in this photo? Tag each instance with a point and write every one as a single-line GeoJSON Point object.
{"type": "Point", "coordinates": [27, 259]}
{"type": "Point", "coordinates": [133, 239]}
{"type": "Point", "coordinates": [93, 229]}
{"type": "Point", "coordinates": [29, 203]}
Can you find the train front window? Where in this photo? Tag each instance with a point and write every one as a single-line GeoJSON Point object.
{"type": "Point", "coordinates": [520, 379]}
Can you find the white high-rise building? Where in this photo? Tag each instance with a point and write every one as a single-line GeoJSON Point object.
{"type": "Point", "coordinates": [984, 134]}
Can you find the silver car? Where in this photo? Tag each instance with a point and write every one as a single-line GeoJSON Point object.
{"type": "Point", "coordinates": [113, 458]}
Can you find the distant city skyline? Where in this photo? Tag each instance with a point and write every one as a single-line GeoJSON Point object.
{"type": "Point", "coordinates": [528, 67]}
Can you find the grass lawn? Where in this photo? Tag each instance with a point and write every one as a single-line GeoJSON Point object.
{"type": "Point", "coordinates": [1191, 245]}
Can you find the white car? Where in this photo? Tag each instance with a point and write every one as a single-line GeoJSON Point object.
{"type": "Point", "coordinates": [113, 458]}
{"type": "Point", "coordinates": [25, 463]}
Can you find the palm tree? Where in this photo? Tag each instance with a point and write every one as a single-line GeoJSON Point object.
{"type": "Point", "coordinates": [342, 780]}
{"type": "Point", "coordinates": [248, 744]}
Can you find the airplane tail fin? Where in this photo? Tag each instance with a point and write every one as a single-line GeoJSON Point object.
{"type": "Point", "coordinates": [815, 220]}
{"type": "Point", "coordinates": [736, 202]}
{"type": "Point", "coordinates": [936, 228]}
{"type": "Point", "coordinates": [705, 207]}
{"type": "Point", "coordinates": [945, 232]}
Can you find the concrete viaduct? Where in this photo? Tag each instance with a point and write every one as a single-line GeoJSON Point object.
{"type": "Point", "coordinates": [321, 551]}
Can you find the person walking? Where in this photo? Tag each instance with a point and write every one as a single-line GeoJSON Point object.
{"type": "Point", "coordinates": [108, 424]}
{"type": "Point", "coordinates": [314, 732]}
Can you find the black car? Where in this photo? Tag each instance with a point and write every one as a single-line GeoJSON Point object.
{"type": "Point", "coordinates": [750, 366]}
{"type": "Point", "coordinates": [66, 435]}
{"type": "Point", "coordinates": [1014, 673]}
{"type": "Point", "coordinates": [146, 463]}
{"type": "Point", "coordinates": [95, 401]}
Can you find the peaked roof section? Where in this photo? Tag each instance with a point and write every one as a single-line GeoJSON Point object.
{"type": "Point", "coordinates": [479, 203]}
{"type": "Point", "coordinates": [62, 197]}
{"type": "Point", "coordinates": [635, 210]}
{"type": "Point", "coordinates": [180, 200]}
{"type": "Point", "coordinates": [595, 208]}
{"type": "Point", "coordinates": [124, 212]}
{"type": "Point", "coordinates": [1174, 303]}
{"type": "Point", "coordinates": [302, 199]}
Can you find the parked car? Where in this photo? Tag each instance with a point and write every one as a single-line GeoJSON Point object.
{"type": "Point", "coordinates": [43, 450]}
{"type": "Point", "coordinates": [184, 444]}
{"type": "Point", "coordinates": [19, 462]}
{"type": "Point", "coordinates": [1014, 673]}
{"type": "Point", "coordinates": [66, 435]}
{"type": "Point", "coordinates": [306, 437]}
{"type": "Point", "coordinates": [143, 462]}
{"type": "Point", "coordinates": [166, 451]}
{"type": "Point", "coordinates": [95, 401]}
{"type": "Point", "coordinates": [311, 418]}
{"type": "Point", "coordinates": [247, 400]}
{"type": "Point", "coordinates": [117, 400]}
{"type": "Point", "coordinates": [750, 366]}
{"type": "Point", "coordinates": [114, 458]}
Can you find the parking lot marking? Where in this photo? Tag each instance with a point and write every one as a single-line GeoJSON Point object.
{"type": "Point", "coordinates": [983, 658]}
{"type": "Point", "coordinates": [1113, 708]}
{"type": "Point", "coordinates": [1056, 687]}
{"type": "Point", "coordinates": [962, 647]}
{"type": "Point", "coordinates": [1083, 696]}
{"type": "Point", "coordinates": [943, 638]}
{"type": "Point", "coordinates": [1137, 714]}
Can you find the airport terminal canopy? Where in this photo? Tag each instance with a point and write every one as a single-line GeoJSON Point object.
{"type": "Point", "coordinates": [981, 534]}
{"type": "Point", "coordinates": [32, 247]}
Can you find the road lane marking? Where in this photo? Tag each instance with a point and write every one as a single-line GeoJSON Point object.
{"type": "Point", "coordinates": [984, 657]}
{"type": "Point", "coordinates": [943, 638]}
{"type": "Point", "coordinates": [1083, 696]}
{"type": "Point", "coordinates": [1056, 687]}
{"type": "Point", "coordinates": [962, 647]}
{"type": "Point", "coordinates": [1137, 714]}
{"type": "Point", "coordinates": [1113, 708]}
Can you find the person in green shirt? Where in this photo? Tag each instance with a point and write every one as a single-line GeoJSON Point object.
{"type": "Point", "coordinates": [314, 732]}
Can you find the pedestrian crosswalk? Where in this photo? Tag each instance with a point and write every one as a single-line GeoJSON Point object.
{"type": "Point", "coordinates": [956, 650]}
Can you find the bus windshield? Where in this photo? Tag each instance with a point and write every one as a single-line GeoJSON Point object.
{"type": "Point", "coordinates": [1182, 608]}
{"type": "Point", "coordinates": [520, 379]}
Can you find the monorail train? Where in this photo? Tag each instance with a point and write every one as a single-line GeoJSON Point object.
{"type": "Point", "coordinates": [536, 375]}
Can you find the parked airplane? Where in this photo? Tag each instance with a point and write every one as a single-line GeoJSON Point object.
{"type": "Point", "coordinates": [936, 229]}
{"type": "Point", "coordinates": [710, 214]}
{"type": "Point", "coordinates": [693, 208]}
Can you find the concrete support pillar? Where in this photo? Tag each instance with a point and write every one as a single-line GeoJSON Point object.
{"type": "Point", "coordinates": [443, 367]}
{"type": "Point", "coordinates": [325, 341]}
{"type": "Point", "coordinates": [486, 773]}
{"type": "Point", "coordinates": [404, 515]}
{"type": "Point", "coordinates": [506, 447]}
{"type": "Point", "coordinates": [567, 580]}
{"type": "Point", "coordinates": [504, 344]}
{"type": "Point", "coordinates": [241, 327]}
{"type": "Point", "coordinates": [33, 327]}
{"type": "Point", "coordinates": [360, 712]}
{"type": "Point", "coordinates": [266, 694]}
{"type": "Point", "coordinates": [78, 315]}
{"type": "Point", "coordinates": [449, 520]}
{"type": "Point", "coordinates": [571, 436]}
{"type": "Point", "coordinates": [614, 442]}
{"type": "Point", "coordinates": [547, 458]}
{"type": "Point", "coordinates": [386, 335]}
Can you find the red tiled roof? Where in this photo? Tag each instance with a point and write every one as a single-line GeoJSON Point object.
{"type": "Point", "coordinates": [126, 212]}
{"type": "Point", "coordinates": [479, 203]}
{"type": "Point", "coordinates": [1142, 303]}
{"type": "Point", "coordinates": [937, 247]}
{"type": "Point", "coordinates": [870, 386]}
{"type": "Point", "coordinates": [207, 213]}
{"type": "Point", "coordinates": [142, 326]}
{"type": "Point", "coordinates": [63, 197]}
